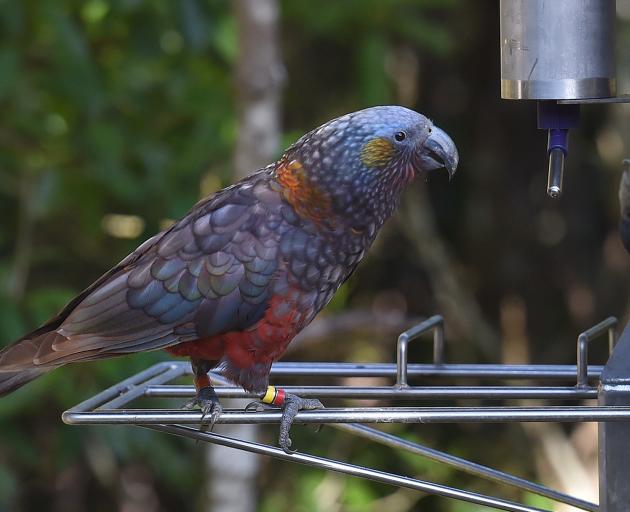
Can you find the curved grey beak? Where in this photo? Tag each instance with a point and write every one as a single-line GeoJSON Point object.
{"type": "Point", "coordinates": [439, 151]}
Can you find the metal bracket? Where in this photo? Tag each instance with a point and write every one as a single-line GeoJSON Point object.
{"type": "Point", "coordinates": [435, 323]}
{"type": "Point", "coordinates": [614, 448]}
{"type": "Point", "coordinates": [609, 325]}
{"type": "Point", "coordinates": [110, 407]}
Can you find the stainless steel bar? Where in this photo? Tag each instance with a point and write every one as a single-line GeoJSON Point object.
{"type": "Point", "coordinates": [438, 343]}
{"type": "Point", "coordinates": [436, 323]}
{"type": "Point", "coordinates": [139, 390]}
{"type": "Point", "coordinates": [472, 468]}
{"type": "Point", "coordinates": [583, 340]}
{"type": "Point", "coordinates": [123, 386]}
{"type": "Point", "coordinates": [361, 415]}
{"type": "Point", "coordinates": [612, 339]}
{"type": "Point", "coordinates": [408, 393]}
{"type": "Point", "coordinates": [348, 469]}
{"type": "Point", "coordinates": [485, 371]}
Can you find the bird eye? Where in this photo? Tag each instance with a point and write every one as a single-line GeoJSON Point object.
{"type": "Point", "coordinates": [400, 136]}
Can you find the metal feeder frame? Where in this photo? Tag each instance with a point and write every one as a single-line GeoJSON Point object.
{"type": "Point", "coordinates": [612, 412]}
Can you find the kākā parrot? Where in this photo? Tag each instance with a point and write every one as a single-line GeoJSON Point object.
{"type": "Point", "coordinates": [232, 283]}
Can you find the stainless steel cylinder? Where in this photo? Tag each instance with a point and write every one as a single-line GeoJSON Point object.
{"type": "Point", "coordinates": [556, 173]}
{"type": "Point", "coordinates": [557, 49]}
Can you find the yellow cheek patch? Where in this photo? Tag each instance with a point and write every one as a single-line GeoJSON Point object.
{"type": "Point", "coordinates": [377, 152]}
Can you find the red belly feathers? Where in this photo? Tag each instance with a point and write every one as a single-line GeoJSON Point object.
{"type": "Point", "coordinates": [264, 342]}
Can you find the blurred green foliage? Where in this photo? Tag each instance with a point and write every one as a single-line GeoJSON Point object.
{"type": "Point", "coordinates": [127, 107]}
{"type": "Point", "coordinates": [108, 107]}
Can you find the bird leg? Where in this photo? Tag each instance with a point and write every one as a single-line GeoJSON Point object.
{"type": "Point", "coordinates": [206, 398]}
{"type": "Point", "coordinates": [290, 404]}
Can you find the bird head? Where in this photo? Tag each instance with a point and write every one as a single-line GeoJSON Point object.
{"type": "Point", "coordinates": [357, 165]}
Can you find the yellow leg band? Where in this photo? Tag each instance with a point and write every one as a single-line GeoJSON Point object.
{"type": "Point", "coordinates": [270, 395]}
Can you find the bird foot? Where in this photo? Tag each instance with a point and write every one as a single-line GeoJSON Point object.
{"type": "Point", "coordinates": [206, 400]}
{"type": "Point", "coordinates": [291, 404]}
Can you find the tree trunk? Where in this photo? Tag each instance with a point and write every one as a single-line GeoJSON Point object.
{"type": "Point", "coordinates": [233, 474]}
{"type": "Point", "coordinates": [260, 76]}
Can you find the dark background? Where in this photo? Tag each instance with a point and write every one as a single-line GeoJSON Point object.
{"type": "Point", "coordinates": [117, 116]}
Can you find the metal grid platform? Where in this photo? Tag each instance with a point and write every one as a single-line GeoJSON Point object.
{"type": "Point", "coordinates": [574, 383]}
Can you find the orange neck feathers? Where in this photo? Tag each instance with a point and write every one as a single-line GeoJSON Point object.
{"type": "Point", "coordinates": [308, 200]}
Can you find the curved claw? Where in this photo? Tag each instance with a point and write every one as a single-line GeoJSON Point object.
{"type": "Point", "coordinates": [255, 407]}
{"type": "Point", "coordinates": [208, 402]}
{"type": "Point", "coordinates": [193, 403]}
{"type": "Point", "coordinates": [213, 409]}
{"type": "Point", "coordinates": [292, 405]}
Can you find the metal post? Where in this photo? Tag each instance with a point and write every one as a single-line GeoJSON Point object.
{"type": "Point", "coordinates": [609, 325]}
{"type": "Point", "coordinates": [436, 323]}
{"type": "Point", "coordinates": [614, 437]}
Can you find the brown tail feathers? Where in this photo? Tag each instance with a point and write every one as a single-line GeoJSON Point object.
{"type": "Point", "coordinates": [18, 361]}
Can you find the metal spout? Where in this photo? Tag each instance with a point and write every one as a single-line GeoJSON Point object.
{"type": "Point", "coordinates": [557, 119]}
{"type": "Point", "coordinates": [556, 173]}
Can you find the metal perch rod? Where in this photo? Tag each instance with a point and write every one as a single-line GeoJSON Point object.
{"type": "Point", "coordinates": [348, 469]}
{"type": "Point", "coordinates": [109, 407]}
{"type": "Point", "coordinates": [361, 415]}
{"type": "Point", "coordinates": [406, 393]}
{"type": "Point", "coordinates": [462, 464]}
